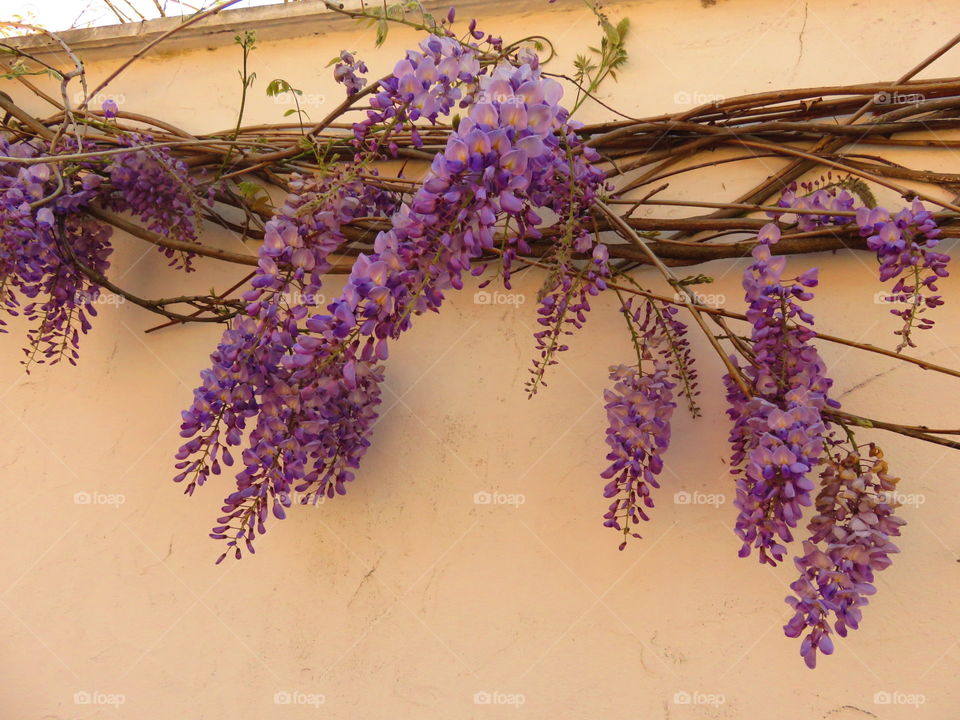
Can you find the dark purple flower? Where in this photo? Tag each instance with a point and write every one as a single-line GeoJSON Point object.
{"type": "Point", "coordinates": [349, 72]}
{"type": "Point", "coordinates": [311, 425]}
{"type": "Point", "coordinates": [43, 234]}
{"type": "Point", "coordinates": [157, 188]}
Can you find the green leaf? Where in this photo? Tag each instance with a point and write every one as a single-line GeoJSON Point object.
{"type": "Point", "coordinates": [383, 27]}
{"type": "Point", "coordinates": [247, 41]}
{"type": "Point", "coordinates": [249, 189]}
{"type": "Point", "coordinates": [700, 279]}
{"type": "Point", "coordinates": [613, 35]}
{"type": "Point", "coordinates": [278, 86]}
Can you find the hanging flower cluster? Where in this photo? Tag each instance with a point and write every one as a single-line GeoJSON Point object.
{"type": "Point", "coordinates": [639, 408]}
{"type": "Point", "coordinates": [155, 187]}
{"type": "Point", "coordinates": [54, 254]}
{"type": "Point", "coordinates": [849, 542]}
{"type": "Point", "coordinates": [308, 437]}
{"type": "Point", "coordinates": [311, 379]}
{"type": "Point", "coordinates": [781, 431]}
{"type": "Point", "coordinates": [904, 244]}
{"type": "Point", "coordinates": [777, 436]}
{"type": "Point", "coordinates": [312, 395]}
{"type": "Point", "coordinates": [425, 84]}
{"type": "Point", "coordinates": [565, 297]}
{"type": "Point", "coordinates": [44, 240]}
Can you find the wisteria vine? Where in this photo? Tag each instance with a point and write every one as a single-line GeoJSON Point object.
{"type": "Point", "coordinates": [506, 180]}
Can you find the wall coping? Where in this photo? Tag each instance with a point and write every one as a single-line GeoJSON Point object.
{"type": "Point", "coordinates": [272, 22]}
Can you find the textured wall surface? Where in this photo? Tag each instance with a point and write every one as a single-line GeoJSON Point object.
{"type": "Point", "coordinates": [415, 596]}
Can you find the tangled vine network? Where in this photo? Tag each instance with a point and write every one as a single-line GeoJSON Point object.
{"type": "Point", "coordinates": [498, 176]}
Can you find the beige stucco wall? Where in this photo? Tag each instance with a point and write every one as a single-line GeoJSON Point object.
{"type": "Point", "coordinates": [406, 598]}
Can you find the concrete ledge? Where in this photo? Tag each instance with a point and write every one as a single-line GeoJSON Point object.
{"type": "Point", "coordinates": [272, 22]}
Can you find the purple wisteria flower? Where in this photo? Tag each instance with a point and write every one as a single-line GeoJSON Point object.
{"type": "Point", "coordinates": [110, 108]}
{"type": "Point", "coordinates": [313, 394]}
{"type": "Point", "coordinates": [820, 205]}
{"type": "Point", "coordinates": [565, 298]}
{"type": "Point", "coordinates": [349, 72]}
{"type": "Point", "coordinates": [311, 379]}
{"type": "Point", "coordinates": [158, 189]}
{"type": "Point", "coordinates": [778, 431]}
{"type": "Point", "coordinates": [43, 237]}
{"type": "Point", "coordinates": [849, 542]}
{"type": "Point", "coordinates": [426, 84]}
{"type": "Point", "coordinates": [311, 425]}
{"type": "Point", "coordinates": [905, 246]}
{"type": "Point", "coordinates": [639, 409]}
